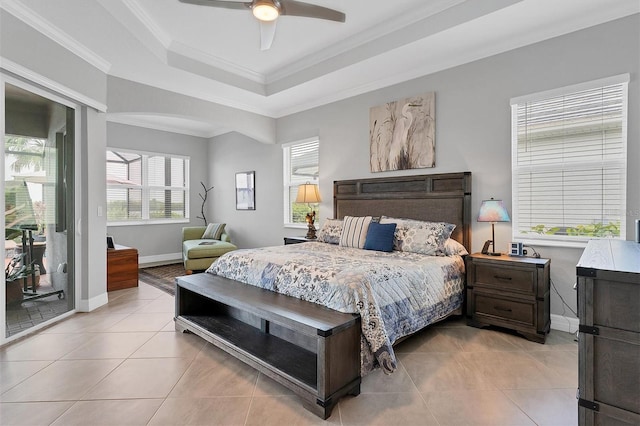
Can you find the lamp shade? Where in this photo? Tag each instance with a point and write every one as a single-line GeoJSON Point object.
{"type": "Point", "coordinates": [493, 211]}
{"type": "Point", "coordinates": [308, 193]}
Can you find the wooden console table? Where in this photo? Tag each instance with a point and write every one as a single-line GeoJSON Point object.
{"type": "Point", "coordinates": [122, 268]}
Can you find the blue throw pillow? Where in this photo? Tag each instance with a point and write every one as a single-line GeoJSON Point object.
{"type": "Point", "coordinates": [380, 236]}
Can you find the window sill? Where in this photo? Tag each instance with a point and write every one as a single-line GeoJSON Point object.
{"type": "Point", "coordinates": [296, 226]}
{"type": "Point", "coordinates": [148, 222]}
{"type": "Point", "coordinates": [558, 243]}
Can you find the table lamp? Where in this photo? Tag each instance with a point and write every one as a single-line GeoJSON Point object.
{"type": "Point", "coordinates": [492, 211]}
{"type": "Point", "coordinates": [308, 193]}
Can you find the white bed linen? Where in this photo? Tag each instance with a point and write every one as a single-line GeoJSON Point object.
{"type": "Point", "coordinates": [396, 293]}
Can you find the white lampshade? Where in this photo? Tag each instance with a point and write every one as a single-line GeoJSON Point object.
{"type": "Point", "coordinates": [308, 193]}
{"type": "Point", "coordinates": [493, 211]}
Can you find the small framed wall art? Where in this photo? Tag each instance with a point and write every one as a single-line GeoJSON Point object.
{"type": "Point", "coordinates": [246, 191]}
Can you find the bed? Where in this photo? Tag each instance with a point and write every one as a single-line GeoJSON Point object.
{"type": "Point", "coordinates": [302, 273]}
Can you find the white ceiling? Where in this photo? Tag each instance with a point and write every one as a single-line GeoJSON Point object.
{"type": "Point", "coordinates": [214, 54]}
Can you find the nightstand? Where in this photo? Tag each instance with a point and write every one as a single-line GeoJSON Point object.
{"type": "Point", "coordinates": [296, 240]}
{"type": "Point", "coordinates": [510, 292]}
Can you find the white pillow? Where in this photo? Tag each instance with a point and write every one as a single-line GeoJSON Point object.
{"type": "Point", "coordinates": [451, 248]}
{"type": "Point", "coordinates": [417, 236]}
{"type": "Point", "coordinates": [354, 231]}
{"type": "Point", "coordinates": [330, 231]}
{"type": "Point", "coordinates": [214, 231]}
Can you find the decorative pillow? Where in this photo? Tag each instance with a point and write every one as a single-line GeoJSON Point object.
{"type": "Point", "coordinates": [354, 231]}
{"type": "Point", "coordinates": [420, 237]}
{"type": "Point", "coordinates": [452, 248]}
{"type": "Point", "coordinates": [214, 231]}
{"type": "Point", "coordinates": [380, 236]}
{"type": "Point", "coordinates": [330, 231]}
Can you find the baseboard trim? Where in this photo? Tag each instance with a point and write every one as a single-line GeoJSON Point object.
{"type": "Point", "coordinates": [88, 305]}
{"type": "Point", "coordinates": [159, 259]}
{"type": "Point", "coordinates": [562, 323]}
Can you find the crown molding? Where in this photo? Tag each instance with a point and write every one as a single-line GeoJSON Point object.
{"type": "Point", "coordinates": [437, 63]}
{"type": "Point", "coordinates": [150, 24]}
{"type": "Point", "coordinates": [138, 22]}
{"type": "Point", "coordinates": [31, 18]}
{"type": "Point", "coordinates": [182, 49]}
{"type": "Point", "coordinates": [400, 32]}
{"type": "Point", "coordinates": [216, 62]}
{"type": "Point", "coordinates": [210, 95]}
{"type": "Point", "coordinates": [161, 123]}
{"type": "Point", "coordinates": [46, 82]}
{"type": "Point", "coordinates": [393, 25]}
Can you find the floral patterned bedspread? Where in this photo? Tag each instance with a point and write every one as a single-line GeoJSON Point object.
{"type": "Point", "coordinates": [396, 293]}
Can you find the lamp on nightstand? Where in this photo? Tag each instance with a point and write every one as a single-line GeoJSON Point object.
{"type": "Point", "coordinates": [308, 193]}
{"type": "Point", "coordinates": [492, 211]}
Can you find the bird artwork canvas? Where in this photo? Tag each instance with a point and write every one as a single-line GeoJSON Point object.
{"type": "Point", "coordinates": [402, 134]}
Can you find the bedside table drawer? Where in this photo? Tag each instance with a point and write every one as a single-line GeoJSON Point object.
{"type": "Point", "coordinates": [511, 279]}
{"type": "Point", "coordinates": [512, 310]}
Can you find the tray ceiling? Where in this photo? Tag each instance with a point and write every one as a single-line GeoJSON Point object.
{"type": "Point", "coordinates": [214, 54]}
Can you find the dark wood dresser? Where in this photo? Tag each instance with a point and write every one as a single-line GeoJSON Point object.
{"type": "Point", "coordinates": [609, 342]}
{"type": "Point", "coordinates": [122, 268]}
{"type": "Point", "coordinates": [509, 292]}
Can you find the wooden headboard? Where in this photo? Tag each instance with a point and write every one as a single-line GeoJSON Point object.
{"type": "Point", "coordinates": [442, 197]}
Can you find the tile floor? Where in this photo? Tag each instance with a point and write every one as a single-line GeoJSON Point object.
{"type": "Point", "coordinates": [124, 364]}
{"type": "Point", "coordinates": [23, 316]}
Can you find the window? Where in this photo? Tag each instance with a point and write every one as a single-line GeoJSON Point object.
{"type": "Point", "coordinates": [569, 163]}
{"type": "Point", "coordinates": [301, 161]}
{"type": "Point", "coordinates": [146, 187]}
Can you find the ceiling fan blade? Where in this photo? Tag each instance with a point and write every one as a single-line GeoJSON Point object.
{"type": "Point", "coordinates": [219, 3]}
{"type": "Point", "coordinates": [297, 8]}
{"type": "Point", "coordinates": [267, 33]}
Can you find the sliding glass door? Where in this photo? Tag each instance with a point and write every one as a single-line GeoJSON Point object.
{"type": "Point", "coordinates": [39, 205]}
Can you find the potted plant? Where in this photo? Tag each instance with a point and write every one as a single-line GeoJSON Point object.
{"type": "Point", "coordinates": [14, 273]}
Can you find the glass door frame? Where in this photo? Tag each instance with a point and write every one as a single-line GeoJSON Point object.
{"type": "Point", "coordinates": [74, 221]}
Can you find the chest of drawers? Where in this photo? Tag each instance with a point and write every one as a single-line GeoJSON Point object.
{"type": "Point", "coordinates": [609, 342]}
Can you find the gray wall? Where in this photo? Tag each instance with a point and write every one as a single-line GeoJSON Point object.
{"type": "Point", "coordinates": [92, 186]}
{"type": "Point", "coordinates": [232, 153]}
{"type": "Point", "coordinates": [23, 48]}
{"type": "Point", "coordinates": [47, 58]}
{"type": "Point", "coordinates": [157, 242]}
{"type": "Point", "coordinates": [473, 133]}
{"type": "Point", "coordinates": [128, 97]}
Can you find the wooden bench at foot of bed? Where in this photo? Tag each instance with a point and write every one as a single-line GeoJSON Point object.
{"type": "Point", "coordinates": [310, 349]}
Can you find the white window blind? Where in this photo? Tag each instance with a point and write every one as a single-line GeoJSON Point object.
{"type": "Point", "coordinates": [301, 165]}
{"type": "Point", "coordinates": [569, 163]}
{"type": "Point", "coordinates": [146, 187]}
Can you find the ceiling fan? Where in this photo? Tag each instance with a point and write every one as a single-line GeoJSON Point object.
{"type": "Point", "coordinates": [268, 11]}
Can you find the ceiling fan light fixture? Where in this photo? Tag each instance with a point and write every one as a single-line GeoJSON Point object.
{"type": "Point", "coordinates": [266, 10]}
